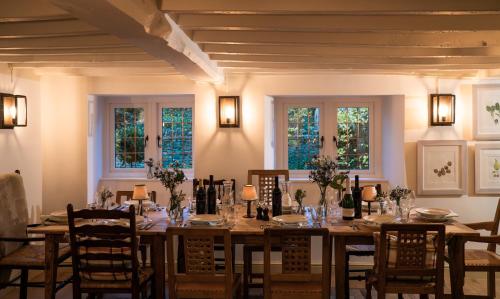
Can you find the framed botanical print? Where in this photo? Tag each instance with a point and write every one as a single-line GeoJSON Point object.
{"type": "Point", "coordinates": [486, 116]}
{"type": "Point", "coordinates": [487, 166]}
{"type": "Point", "coordinates": [442, 167]}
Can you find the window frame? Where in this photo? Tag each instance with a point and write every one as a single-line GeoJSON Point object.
{"type": "Point", "coordinates": [152, 128]}
{"type": "Point", "coordinates": [328, 128]}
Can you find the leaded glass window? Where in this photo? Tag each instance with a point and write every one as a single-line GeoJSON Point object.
{"type": "Point", "coordinates": [177, 136]}
{"type": "Point", "coordinates": [303, 136]}
{"type": "Point", "coordinates": [129, 137]}
{"type": "Point", "coordinates": [353, 127]}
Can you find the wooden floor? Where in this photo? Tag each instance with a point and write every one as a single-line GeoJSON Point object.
{"type": "Point", "coordinates": [475, 284]}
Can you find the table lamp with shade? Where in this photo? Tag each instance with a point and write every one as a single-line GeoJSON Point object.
{"type": "Point", "coordinates": [369, 195]}
{"type": "Point", "coordinates": [249, 194]}
{"type": "Point", "coordinates": [140, 194]}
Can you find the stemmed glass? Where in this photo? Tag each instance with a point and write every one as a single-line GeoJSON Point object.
{"type": "Point", "coordinates": [334, 207]}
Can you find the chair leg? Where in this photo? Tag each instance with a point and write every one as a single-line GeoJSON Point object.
{"type": "Point", "coordinates": [368, 287]}
{"type": "Point", "coordinates": [346, 280]}
{"type": "Point", "coordinates": [144, 254]}
{"type": "Point", "coordinates": [23, 289]}
{"type": "Point", "coordinates": [491, 284]}
{"type": "Point", "coordinates": [424, 296]}
{"type": "Point", "coordinates": [247, 265]}
{"type": "Point", "coordinates": [400, 296]}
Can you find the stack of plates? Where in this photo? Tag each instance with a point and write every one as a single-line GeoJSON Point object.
{"type": "Point", "coordinates": [377, 220]}
{"type": "Point", "coordinates": [290, 220]}
{"type": "Point", "coordinates": [206, 219]}
{"type": "Point", "coordinates": [136, 202]}
{"type": "Point", "coordinates": [435, 214]}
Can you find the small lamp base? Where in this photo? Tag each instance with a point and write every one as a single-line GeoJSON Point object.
{"type": "Point", "coordinates": [249, 210]}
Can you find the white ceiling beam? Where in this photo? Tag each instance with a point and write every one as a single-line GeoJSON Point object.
{"type": "Point", "coordinates": [106, 64]}
{"type": "Point", "coordinates": [29, 10]}
{"type": "Point", "coordinates": [140, 23]}
{"type": "Point", "coordinates": [46, 28]}
{"type": "Point", "coordinates": [385, 39]}
{"type": "Point", "coordinates": [357, 60]}
{"type": "Point", "coordinates": [359, 51]}
{"type": "Point", "coordinates": [302, 65]}
{"type": "Point", "coordinates": [79, 41]}
{"type": "Point", "coordinates": [76, 58]}
{"type": "Point", "coordinates": [327, 6]}
{"type": "Point", "coordinates": [340, 23]}
{"type": "Point", "coordinates": [73, 51]}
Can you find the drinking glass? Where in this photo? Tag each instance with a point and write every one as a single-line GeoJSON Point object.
{"type": "Point", "coordinates": [146, 209]}
{"type": "Point", "coordinates": [405, 208]}
{"type": "Point", "coordinates": [334, 208]}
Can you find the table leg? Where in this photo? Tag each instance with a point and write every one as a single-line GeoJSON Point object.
{"type": "Point", "coordinates": [456, 248]}
{"type": "Point", "coordinates": [340, 278]}
{"type": "Point", "coordinates": [51, 254]}
{"type": "Point", "coordinates": [158, 263]}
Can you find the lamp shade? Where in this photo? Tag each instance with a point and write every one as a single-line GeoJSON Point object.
{"type": "Point", "coordinates": [369, 193]}
{"type": "Point", "coordinates": [229, 112]}
{"type": "Point", "coordinates": [249, 193]}
{"type": "Point", "coordinates": [8, 111]}
{"type": "Point", "coordinates": [140, 192]}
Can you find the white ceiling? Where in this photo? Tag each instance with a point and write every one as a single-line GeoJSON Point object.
{"type": "Point", "coordinates": [426, 37]}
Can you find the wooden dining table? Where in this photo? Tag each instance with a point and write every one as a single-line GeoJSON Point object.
{"type": "Point", "coordinates": [251, 231]}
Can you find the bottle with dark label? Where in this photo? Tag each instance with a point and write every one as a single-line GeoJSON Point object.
{"type": "Point", "coordinates": [211, 197]}
{"type": "Point", "coordinates": [348, 202]}
{"type": "Point", "coordinates": [276, 198]}
{"type": "Point", "coordinates": [356, 195]}
{"type": "Point", "coordinates": [378, 187]}
{"type": "Point", "coordinates": [201, 198]}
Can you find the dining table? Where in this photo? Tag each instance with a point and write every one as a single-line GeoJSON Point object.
{"type": "Point", "coordinates": [250, 231]}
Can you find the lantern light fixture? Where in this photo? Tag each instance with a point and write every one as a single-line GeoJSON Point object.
{"type": "Point", "coordinates": [442, 109]}
{"type": "Point", "coordinates": [13, 111]}
{"type": "Point", "coordinates": [229, 111]}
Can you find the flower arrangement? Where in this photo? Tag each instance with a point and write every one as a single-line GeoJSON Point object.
{"type": "Point", "coordinates": [324, 174]}
{"type": "Point", "coordinates": [103, 197]}
{"type": "Point", "coordinates": [299, 198]}
{"type": "Point", "coordinates": [398, 193]}
{"type": "Point", "coordinates": [171, 178]}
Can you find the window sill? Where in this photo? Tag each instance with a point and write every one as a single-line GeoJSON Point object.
{"type": "Point", "coordinates": [361, 179]}
{"type": "Point", "coordinates": [135, 179]}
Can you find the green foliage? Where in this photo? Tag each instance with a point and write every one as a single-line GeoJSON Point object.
{"type": "Point", "coordinates": [353, 129]}
{"type": "Point", "coordinates": [129, 137]}
{"type": "Point", "coordinates": [177, 136]}
{"type": "Point", "coordinates": [494, 110]}
{"type": "Point", "coordinates": [303, 136]}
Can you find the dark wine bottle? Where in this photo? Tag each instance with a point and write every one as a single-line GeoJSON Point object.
{"type": "Point", "coordinates": [348, 202]}
{"type": "Point", "coordinates": [378, 187]}
{"type": "Point", "coordinates": [201, 198]}
{"type": "Point", "coordinates": [356, 195]}
{"type": "Point", "coordinates": [211, 197]}
{"type": "Point", "coordinates": [276, 198]}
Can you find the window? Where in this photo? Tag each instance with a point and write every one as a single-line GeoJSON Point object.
{"type": "Point", "coordinates": [145, 127]}
{"type": "Point", "coordinates": [339, 127]}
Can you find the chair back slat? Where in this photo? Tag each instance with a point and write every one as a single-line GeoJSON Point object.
{"type": "Point", "coordinates": [296, 267]}
{"type": "Point", "coordinates": [199, 257]}
{"type": "Point", "coordinates": [494, 231]}
{"type": "Point", "coordinates": [265, 179]}
{"type": "Point", "coordinates": [103, 252]}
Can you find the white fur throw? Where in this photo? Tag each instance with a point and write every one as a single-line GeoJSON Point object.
{"type": "Point", "coordinates": [13, 215]}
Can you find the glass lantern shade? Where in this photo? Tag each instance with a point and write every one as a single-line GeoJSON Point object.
{"type": "Point", "coordinates": [229, 112]}
{"type": "Point", "coordinates": [442, 111]}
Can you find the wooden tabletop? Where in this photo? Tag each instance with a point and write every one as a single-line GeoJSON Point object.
{"type": "Point", "coordinates": [251, 226]}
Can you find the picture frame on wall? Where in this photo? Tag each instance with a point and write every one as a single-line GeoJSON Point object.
{"type": "Point", "coordinates": [487, 168]}
{"type": "Point", "coordinates": [486, 112]}
{"type": "Point", "coordinates": [441, 167]}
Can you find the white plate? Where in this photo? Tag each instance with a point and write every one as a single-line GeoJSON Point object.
{"type": "Point", "coordinates": [433, 213]}
{"type": "Point", "coordinates": [290, 219]}
{"type": "Point", "coordinates": [136, 202]}
{"type": "Point", "coordinates": [379, 219]}
{"type": "Point", "coordinates": [208, 219]}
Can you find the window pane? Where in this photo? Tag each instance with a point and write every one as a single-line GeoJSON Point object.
{"type": "Point", "coordinates": [303, 136]}
{"type": "Point", "coordinates": [177, 136]}
{"type": "Point", "coordinates": [129, 137]}
{"type": "Point", "coordinates": [353, 137]}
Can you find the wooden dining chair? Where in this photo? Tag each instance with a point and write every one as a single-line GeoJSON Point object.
{"type": "Point", "coordinates": [23, 252]}
{"type": "Point", "coordinates": [409, 259]}
{"type": "Point", "coordinates": [201, 279]}
{"type": "Point", "coordinates": [484, 260]}
{"type": "Point", "coordinates": [265, 185]}
{"type": "Point", "coordinates": [105, 255]}
{"type": "Point", "coordinates": [296, 279]}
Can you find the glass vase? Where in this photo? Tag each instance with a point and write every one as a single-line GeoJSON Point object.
{"type": "Point", "coordinates": [149, 174]}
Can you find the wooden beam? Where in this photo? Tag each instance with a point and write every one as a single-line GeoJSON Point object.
{"type": "Point", "coordinates": [73, 51]}
{"type": "Point", "coordinates": [79, 41]}
{"type": "Point", "coordinates": [359, 51]}
{"type": "Point", "coordinates": [76, 58]}
{"type": "Point", "coordinates": [46, 28]}
{"type": "Point", "coordinates": [306, 65]}
{"type": "Point", "coordinates": [341, 23]}
{"type": "Point", "coordinates": [80, 64]}
{"type": "Point", "coordinates": [140, 23]}
{"type": "Point", "coordinates": [29, 10]}
{"type": "Point", "coordinates": [327, 6]}
{"type": "Point", "coordinates": [386, 39]}
{"type": "Point", "coordinates": [358, 60]}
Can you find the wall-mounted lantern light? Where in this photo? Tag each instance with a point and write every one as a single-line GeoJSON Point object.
{"type": "Point", "coordinates": [442, 109]}
{"type": "Point", "coordinates": [13, 111]}
{"type": "Point", "coordinates": [229, 112]}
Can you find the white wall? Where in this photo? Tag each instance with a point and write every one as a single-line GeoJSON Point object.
{"type": "Point", "coordinates": [20, 147]}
